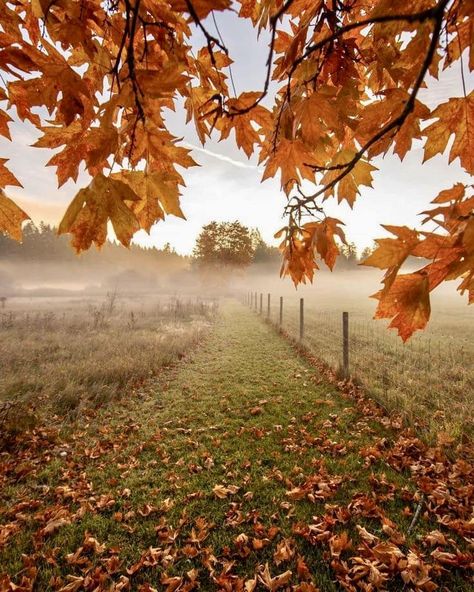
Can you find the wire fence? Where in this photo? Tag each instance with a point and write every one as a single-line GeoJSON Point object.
{"type": "Point", "coordinates": [430, 379]}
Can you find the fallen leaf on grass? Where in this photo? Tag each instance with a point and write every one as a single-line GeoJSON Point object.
{"type": "Point", "coordinates": [54, 525]}
{"type": "Point", "coordinates": [276, 582]}
{"type": "Point", "coordinates": [284, 552]}
{"type": "Point", "coordinates": [221, 491]}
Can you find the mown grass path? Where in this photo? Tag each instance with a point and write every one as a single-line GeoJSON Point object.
{"type": "Point", "coordinates": [236, 467]}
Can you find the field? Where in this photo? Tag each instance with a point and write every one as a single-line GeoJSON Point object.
{"type": "Point", "coordinates": [62, 357]}
{"type": "Point", "coordinates": [239, 469]}
{"type": "Point", "coordinates": [429, 380]}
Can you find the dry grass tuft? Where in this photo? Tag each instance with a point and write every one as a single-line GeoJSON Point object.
{"type": "Point", "coordinates": [62, 357]}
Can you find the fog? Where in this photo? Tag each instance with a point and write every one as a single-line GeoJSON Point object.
{"type": "Point", "coordinates": [85, 276]}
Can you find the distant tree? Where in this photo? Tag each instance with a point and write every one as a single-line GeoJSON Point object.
{"type": "Point", "coordinates": [367, 252]}
{"type": "Point", "coordinates": [42, 244]}
{"type": "Point", "coordinates": [167, 248]}
{"type": "Point", "coordinates": [265, 254]}
{"type": "Point", "coordinates": [348, 255]}
{"type": "Point", "coordinates": [225, 245]}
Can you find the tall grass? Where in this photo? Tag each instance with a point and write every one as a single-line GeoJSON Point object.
{"type": "Point", "coordinates": [59, 359]}
{"type": "Point", "coordinates": [429, 380]}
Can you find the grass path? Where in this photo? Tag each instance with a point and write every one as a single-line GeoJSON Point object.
{"type": "Point", "coordinates": [239, 457]}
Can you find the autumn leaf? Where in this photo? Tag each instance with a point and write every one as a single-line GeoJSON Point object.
{"type": "Point", "coordinates": [221, 491]}
{"type": "Point", "coordinates": [6, 177]}
{"type": "Point", "coordinates": [393, 252]}
{"type": "Point", "coordinates": [381, 112]}
{"type": "Point", "coordinates": [153, 189]}
{"type": "Point", "coordinates": [348, 188]}
{"type": "Point", "coordinates": [407, 302]}
{"type": "Point", "coordinates": [456, 116]}
{"type": "Point", "coordinates": [87, 216]}
{"type": "Point", "coordinates": [339, 543]}
{"type": "Point", "coordinates": [273, 583]}
{"type": "Point", "coordinates": [202, 7]}
{"type": "Point", "coordinates": [284, 552]}
{"type": "Point", "coordinates": [246, 125]}
{"type": "Point", "coordinates": [4, 121]}
{"type": "Point", "coordinates": [294, 160]}
{"type": "Point", "coordinates": [11, 217]}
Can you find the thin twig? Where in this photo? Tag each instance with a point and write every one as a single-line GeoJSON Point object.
{"type": "Point", "coordinates": [417, 514]}
{"type": "Point", "coordinates": [347, 167]}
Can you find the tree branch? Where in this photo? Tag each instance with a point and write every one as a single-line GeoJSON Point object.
{"type": "Point", "coordinates": [210, 39]}
{"type": "Point", "coordinates": [274, 19]}
{"type": "Point", "coordinates": [347, 167]}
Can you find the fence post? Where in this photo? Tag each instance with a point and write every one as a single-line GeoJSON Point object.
{"type": "Point", "coordinates": [345, 344]}
{"type": "Point", "coordinates": [268, 305]}
{"type": "Point", "coordinates": [255, 301]}
{"type": "Point", "coordinates": [301, 319]}
{"type": "Point", "coordinates": [261, 303]}
{"type": "Point", "coordinates": [251, 300]}
{"type": "Point", "coordinates": [281, 311]}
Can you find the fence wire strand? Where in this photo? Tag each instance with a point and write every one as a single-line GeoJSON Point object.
{"type": "Point", "coordinates": [428, 377]}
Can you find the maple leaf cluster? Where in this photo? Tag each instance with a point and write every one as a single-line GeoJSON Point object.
{"type": "Point", "coordinates": [95, 78]}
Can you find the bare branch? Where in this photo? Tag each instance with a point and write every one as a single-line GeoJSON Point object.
{"type": "Point", "coordinates": [210, 39]}
{"type": "Point", "coordinates": [347, 167]}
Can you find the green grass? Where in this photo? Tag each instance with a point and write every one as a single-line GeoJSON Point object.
{"type": "Point", "coordinates": [242, 410]}
{"type": "Point", "coordinates": [429, 380]}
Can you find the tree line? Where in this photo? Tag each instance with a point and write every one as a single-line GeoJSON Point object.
{"type": "Point", "coordinates": [219, 244]}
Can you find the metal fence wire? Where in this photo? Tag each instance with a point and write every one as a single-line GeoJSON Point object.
{"type": "Point", "coordinates": [421, 377]}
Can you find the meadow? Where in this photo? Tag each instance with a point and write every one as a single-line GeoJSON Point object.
{"type": "Point", "coordinates": [239, 469]}
{"type": "Point", "coordinates": [64, 356]}
{"type": "Point", "coordinates": [429, 380]}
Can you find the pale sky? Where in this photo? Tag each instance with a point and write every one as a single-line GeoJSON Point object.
{"type": "Point", "coordinates": [227, 186]}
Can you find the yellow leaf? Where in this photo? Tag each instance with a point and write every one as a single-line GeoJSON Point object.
{"type": "Point", "coordinates": [348, 186]}
{"type": "Point", "coordinates": [407, 302]}
{"type": "Point", "coordinates": [392, 252]}
{"type": "Point", "coordinates": [87, 216]}
{"type": "Point", "coordinates": [201, 7]}
{"type": "Point", "coordinates": [11, 217]}
{"type": "Point", "coordinates": [6, 176]}
{"type": "Point", "coordinates": [151, 187]}
{"type": "Point", "coordinates": [456, 116]}
{"type": "Point", "coordinates": [294, 160]}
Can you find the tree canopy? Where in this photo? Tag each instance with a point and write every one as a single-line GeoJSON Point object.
{"type": "Point", "coordinates": [95, 77]}
{"type": "Point", "coordinates": [225, 245]}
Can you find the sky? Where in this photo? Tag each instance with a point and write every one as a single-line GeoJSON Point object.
{"type": "Point", "coordinates": [227, 185]}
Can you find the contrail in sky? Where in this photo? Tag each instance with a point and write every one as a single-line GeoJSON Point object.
{"type": "Point", "coordinates": [237, 163]}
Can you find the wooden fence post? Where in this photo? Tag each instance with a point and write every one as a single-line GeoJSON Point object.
{"type": "Point", "coordinates": [301, 319]}
{"type": "Point", "coordinates": [345, 344]}
{"type": "Point", "coordinates": [261, 303]}
{"type": "Point", "coordinates": [255, 301]}
{"type": "Point", "coordinates": [268, 305]}
{"type": "Point", "coordinates": [281, 311]}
